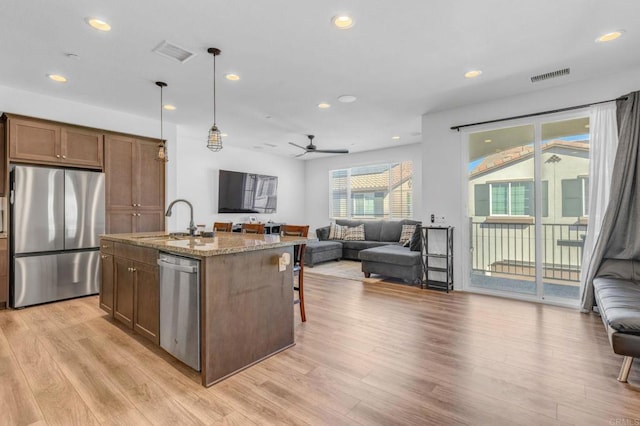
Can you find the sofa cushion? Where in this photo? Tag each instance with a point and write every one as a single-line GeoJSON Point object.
{"type": "Point", "coordinates": [337, 232]}
{"type": "Point", "coordinates": [321, 246]}
{"type": "Point", "coordinates": [323, 233]}
{"type": "Point", "coordinates": [371, 227]}
{"type": "Point", "coordinates": [391, 231]}
{"type": "Point", "coordinates": [619, 302]}
{"type": "Point", "coordinates": [406, 233]}
{"type": "Point", "coordinates": [361, 245]}
{"type": "Point", "coordinates": [355, 233]}
{"type": "Point", "coordinates": [415, 244]}
{"type": "Point", "coordinates": [393, 254]}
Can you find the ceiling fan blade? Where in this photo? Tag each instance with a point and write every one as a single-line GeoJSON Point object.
{"type": "Point", "coordinates": [332, 151]}
{"type": "Point", "coordinates": [299, 146]}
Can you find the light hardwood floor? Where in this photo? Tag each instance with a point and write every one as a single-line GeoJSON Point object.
{"type": "Point", "coordinates": [369, 353]}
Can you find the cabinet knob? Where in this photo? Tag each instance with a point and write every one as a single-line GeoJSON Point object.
{"type": "Point", "coordinates": [64, 156]}
{"type": "Point", "coordinates": [104, 256]}
{"type": "Point", "coordinates": [133, 214]}
{"type": "Point", "coordinates": [138, 215]}
{"type": "Point", "coordinates": [133, 269]}
{"type": "Point", "coordinates": [57, 155]}
{"type": "Point", "coordinates": [105, 246]}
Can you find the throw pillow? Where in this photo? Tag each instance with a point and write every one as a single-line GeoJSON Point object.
{"type": "Point", "coordinates": [355, 233]}
{"type": "Point", "coordinates": [337, 232]}
{"type": "Point", "coordinates": [407, 232]}
{"type": "Point", "coordinates": [415, 244]}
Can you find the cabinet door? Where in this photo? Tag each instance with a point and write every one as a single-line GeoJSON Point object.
{"type": "Point", "coordinates": [124, 291]}
{"type": "Point", "coordinates": [106, 283]}
{"type": "Point", "coordinates": [150, 179]}
{"type": "Point", "coordinates": [120, 221]}
{"type": "Point", "coordinates": [34, 141]}
{"type": "Point", "coordinates": [81, 147]}
{"type": "Point", "coordinates": [3, 273]}
{"type": "Point", "coordinates": [149, 221]}
{"type": "Point", "coordinates": [3, 161]}
{"type": "Point", "coordinates": [119, 171]}
{"type": "Point", "coordinates": [147, 301]}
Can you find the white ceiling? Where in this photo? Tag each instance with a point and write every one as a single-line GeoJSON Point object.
{"type": "Point", "coordinates": [402, 58]}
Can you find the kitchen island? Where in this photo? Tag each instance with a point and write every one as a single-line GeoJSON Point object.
{"type": "Point", "coordinates": [246, 300]}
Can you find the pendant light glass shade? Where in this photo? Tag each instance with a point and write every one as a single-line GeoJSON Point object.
{"type": "Point", "coordinates": [214, 141]}
{"type": "Point", "coordinates": [162, 147]}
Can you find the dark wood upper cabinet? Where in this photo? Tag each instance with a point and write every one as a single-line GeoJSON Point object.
{"type": "Point", "coordinates": [135, 185]}
{"type": "Point", "coordinates": [3, 159]}
{"type": "Point", "coordinates": [82, 147]}
{"type": "Point", "coordinates": [43, 142]}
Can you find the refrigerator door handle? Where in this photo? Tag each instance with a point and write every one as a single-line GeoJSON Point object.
{"type": "Point", "coordinates": [11, 196]}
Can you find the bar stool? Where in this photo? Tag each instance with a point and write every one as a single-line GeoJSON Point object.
{"type": "Point", "coordinates": [298, 262]}
{"type": "Point", "coordinates": [253, 228]}
{"type": "Point", "coordinates": [222, 226]}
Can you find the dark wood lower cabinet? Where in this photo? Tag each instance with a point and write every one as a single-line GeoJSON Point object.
{"type": "Point", "coordinates": [124, 292]}
{"type": "Point", "coordinates": [130, 287]}
{"type": "Point", "coordinates": [106, 283]}
{"type": "Point", "coordinates": [146, 316]}
{"type": "Point", "coordinates": [4, 296]}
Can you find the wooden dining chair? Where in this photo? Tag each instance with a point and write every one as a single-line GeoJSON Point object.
{"type": "Point", "coordinates": [253, 228]}
{"type": "Point", "coordinates": [298, 262]}
{"type": "Point", "coordinates": [222, 226]}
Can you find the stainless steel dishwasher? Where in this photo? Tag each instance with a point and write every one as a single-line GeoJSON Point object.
{"type": "Point", "coordinates": [180, 308]}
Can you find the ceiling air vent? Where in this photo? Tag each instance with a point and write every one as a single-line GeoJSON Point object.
{"type": "Point", "coordinates": [548, 75]}
{"type": "Point", "coordinates": [171, 51]}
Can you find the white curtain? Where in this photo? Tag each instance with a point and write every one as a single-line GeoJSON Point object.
{"type": "Point", "coordinates": [603, 138]}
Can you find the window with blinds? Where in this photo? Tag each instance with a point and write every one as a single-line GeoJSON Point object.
{"type": "Point", "coordinates": [381, 191]}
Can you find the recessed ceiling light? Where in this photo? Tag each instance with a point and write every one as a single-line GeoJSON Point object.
{"type": "Point", "coordinates": [395, 138]}
{"type": "Point", "coordinates": [609, 36]}
{"type": "Point", "coordinates": [232, 77]}
{"type": "Point", "coordinates": [343, 22]}
{"type": "Point", "coordinates": [472, 73]}
{"type": "Point", "coordinates": [488, 141]}
{"type": "Point", "coordinates": [57, 77]}
{"type": "Point", "coordinates": [347, 99]}
{"type": "Point", "coordinates": [324, 105]}
{"type": "Point", "coordinates": [169, 107]}
{"type": "Point", "coordinates": [98, 24]}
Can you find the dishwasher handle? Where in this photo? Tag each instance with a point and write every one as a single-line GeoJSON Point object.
{"type": "Point", "coordinates": [181, 268]}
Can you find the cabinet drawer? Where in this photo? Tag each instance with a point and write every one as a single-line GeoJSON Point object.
{"type": "Point", "coordinates": [137, 254]}
{"type": "Point", "coordinates": [107, 246]}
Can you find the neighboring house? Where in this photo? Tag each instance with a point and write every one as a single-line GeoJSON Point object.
{"type": "Point", "coordinates": [378, 191]}
{"type": "Point", "coordinates": [502, 209]}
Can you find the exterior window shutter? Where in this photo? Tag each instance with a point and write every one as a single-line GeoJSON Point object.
{"type": "Point", "coordinates": [545, 198]}
{"type": "Point", "coordinates": [571, 198]}
{"type": "Point", "coordinates": [481, 196]}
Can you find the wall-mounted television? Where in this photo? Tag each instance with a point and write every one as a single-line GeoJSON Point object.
{"type": "Point", "coordinates": [247, 192]}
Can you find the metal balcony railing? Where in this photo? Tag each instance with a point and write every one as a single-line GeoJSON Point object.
{"type": "Point", "coordinates": [509, 249]}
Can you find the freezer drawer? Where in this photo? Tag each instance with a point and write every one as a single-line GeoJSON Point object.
{"type": "Point", "coordinates": [180, 308]}
{"type": "Point", "coordinates": [46, 278]}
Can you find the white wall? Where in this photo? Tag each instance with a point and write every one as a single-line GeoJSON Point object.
{"type": "Point", "coordinates": [197, 171]}
{"type": "Point", "coordinates": [317, 178]}
{"type": "Point", "coordinates": [444, 179]}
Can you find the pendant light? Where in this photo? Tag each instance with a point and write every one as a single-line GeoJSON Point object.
{"type": "Point", "coordinates": [214, 142]}
{"type": "Point", "coordinates": [162, 147]}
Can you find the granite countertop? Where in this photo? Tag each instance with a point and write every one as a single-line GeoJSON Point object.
{"type": "Point", "coordinates": [222, 243]}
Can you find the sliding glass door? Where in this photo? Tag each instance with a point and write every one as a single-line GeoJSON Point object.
{"type": "Point", "coordinates": [527, 197]}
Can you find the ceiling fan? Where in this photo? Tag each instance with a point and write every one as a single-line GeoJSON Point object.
{"type": "Point", "coordinates": [311, 148]}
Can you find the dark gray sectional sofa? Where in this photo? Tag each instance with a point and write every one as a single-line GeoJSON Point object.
{"type": "Point", "coordinates": [391, 259]}
{"type": "Point", "coordinates": [617, 292]}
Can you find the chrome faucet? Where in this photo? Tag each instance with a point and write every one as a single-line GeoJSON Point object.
{"type": "Point", "coordinates": [192, 227]}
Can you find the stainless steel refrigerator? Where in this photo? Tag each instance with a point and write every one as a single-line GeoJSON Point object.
{"type": "Point", "coordinates": [56, 218]}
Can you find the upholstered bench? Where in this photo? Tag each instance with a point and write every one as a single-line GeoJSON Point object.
{"type": "Point", "coordinates": [392, 261]}
{"type": "Point", "coordinates": [321, 251]}
{"type": "Point", "coordinates": [617, 291]}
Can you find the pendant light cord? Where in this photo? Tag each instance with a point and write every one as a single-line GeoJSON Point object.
{"type": "Point", "coordinates": [161, 126]}
{"type": "Point", "coordinates": [214, 89]}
